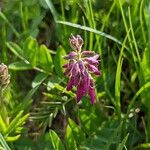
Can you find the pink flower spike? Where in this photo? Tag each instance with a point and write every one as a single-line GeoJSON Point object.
{"type": "Point", "coordinates": [79, 69]}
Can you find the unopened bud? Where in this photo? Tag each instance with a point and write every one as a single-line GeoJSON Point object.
{"type": "Point", "coordinates": [76, 42]}
{"type": "Point", "coordinates": [4, 75]}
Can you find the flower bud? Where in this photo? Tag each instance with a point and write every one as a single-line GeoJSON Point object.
{"type": "Point", "coordinates": [4, 75]}
{"type": "Point", "coordinates": [76, 42]}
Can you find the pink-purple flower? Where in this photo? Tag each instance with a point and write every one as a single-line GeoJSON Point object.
{"type": "Point", "coordinates": [79, 68]}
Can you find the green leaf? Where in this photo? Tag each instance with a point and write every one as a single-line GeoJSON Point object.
{"type": "Point", "coordinates": [59, 61]}
{"type": "Point", "coordinates": [122, 144]}
{"type": "Point", "coordinates": [13, 123]}
{"type": "Point", "coordinates": [30, 48]}
{"type": "Point", "coordinates": [69, 138]}
{"type": "Point", "coordinates": [142, 90]}
{"type": "Point", "coordinates": [2, 125]}
{"type": "Point", "coordinates": [16, 122]}
{"type": "Point", "coordinates": [16, 50]}
{"type": "Point", "coordinates": [145, 67]}
{"type": "Point", "coordinates": [3, 143]}
{"type": "Point", "coordinates": [25, 143]}
{"type": "Point", "coordinates": [77, 132]}
{"type": "Point", "coordinates": [12, 138]}
{"type": "Point", "coordinates": [108, 134]}
{"type": "Point", "coordinates": [44, 58]}
{"type": "Point", "coordinates": [144, 146]}
{"type": "Point", "coordinates": [56, 142]}
{"type": "Point", "coordinates": [26, 101]}
{"type": "Point", "coordinates": [20, 66]}
{"type": "Point", "coordinates": [39, 79]}
{"type": "Point", "coordinates": [87, 120]}
{"type": "Point", "coordinates": [44, 143]}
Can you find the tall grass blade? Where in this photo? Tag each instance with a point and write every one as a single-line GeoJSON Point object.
{"type": "Point", "coordinates": [90, 30]}
{"type": "Point", "coordinates": [52, 9]}
{"type": "Point", "coordinates": [3, 143]}
{"type": "Point", "coordinates": [10, 25]}
{"type": "Point", "coordinates": [122, 144]}
{"type": "Point", "coordinates": [118, 78]}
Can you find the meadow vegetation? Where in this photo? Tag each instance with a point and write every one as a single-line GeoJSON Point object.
{"type": "Point", "coordinates": [36, 110]}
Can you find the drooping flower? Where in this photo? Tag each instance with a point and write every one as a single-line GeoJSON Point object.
{"type": "Point", "coordinates": [79, 68]}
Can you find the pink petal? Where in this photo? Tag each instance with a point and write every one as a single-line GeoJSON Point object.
{"type": "Point", "coordinates": [75, 69]}
{"type": "Point", "coordinates": [74, 81]}
{"type": "Point", "coordinates": [70, 84]}
{"type": "Point", "coordinates": [94, 69]}
{"type": "Point", "coordinates": [80, 92]}
{"type": "Point", "coordinates": [95, 57]}
{"type": "Point", "coordinates": [85, 81]}
{"type": "Point", "coordinates": [92, 61]}
{"type": "Point", "coordinates": [81, 66]}
{"type": "Point", "coordinates": [65, 65]}
{"type": "Point", "coordinates": [69, 68]}
{"type": "Point", "coordinates": [92, 91]}
{"type": "Point", "coordinates": [71, 55]}
{"type": "Point", "coordinates": [87, 53]}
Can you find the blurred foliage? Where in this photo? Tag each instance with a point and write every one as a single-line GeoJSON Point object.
{"type": "Point", "coordinates": [36, 111]}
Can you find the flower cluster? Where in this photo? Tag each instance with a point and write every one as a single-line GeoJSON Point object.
{"type": "Point", "coordinates": [4, 76]}
{"type": "Point", "coordinates": [80, 66]}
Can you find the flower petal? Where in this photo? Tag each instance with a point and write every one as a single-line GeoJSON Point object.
{"type": "Point", "coordinates": [71, 55]}
{"type": "Point", "coordinates": [81, 66]}
{"type": "Point", "coordinates": [92, 91]}
{"type": "Point", "coordinates": [70, 85]}
{"type": "Point", "coordinates": [80, 91]}
{"type": "Point", "coordinates": [75, 69]}
{"type": "Point", "coordinates": [65, 65]}
{"type": "Point", "coordinates": [92, 61]}
{"type": "Point", "coordinates": [85, 81]}
{"type": "Point", "coordinates": [87, 53]}
{"type": "Point", "coordinates": [76, 42]}
{"type": "Point", "coordinates": [74, 81]}
{"type": "Point", "coordinates": [93, 69]}
{"type": "Point", "coordinates": [69, 68]}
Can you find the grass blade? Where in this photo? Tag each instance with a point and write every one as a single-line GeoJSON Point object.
{"type": "Point", "coordinates": [10, 25]}
{"type": "Point", "coordinates": [3, 142]}
{"type": "Point", "coordinates": [90, 30]}
{"type": "Point", "coordinates": [52, 9]}
{"type": "Point", "coordinates": [118, 78]}
{"type": "Point", "coordinates": [122, 144]}
{"type": "Point", "coordinates": [142, 89]}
